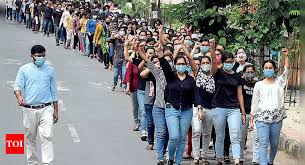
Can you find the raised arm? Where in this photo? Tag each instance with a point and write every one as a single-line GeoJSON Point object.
{"type": "Point", "coordinates": [190, 58]}
{"type": "Point", "coordinates": [213, 56]}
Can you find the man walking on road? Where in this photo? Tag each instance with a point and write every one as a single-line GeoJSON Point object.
{"type": "Point", "coordinates": [35, 90]}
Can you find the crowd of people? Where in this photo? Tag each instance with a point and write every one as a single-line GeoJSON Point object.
{"type": "Point", "coordinates": [185, 88]}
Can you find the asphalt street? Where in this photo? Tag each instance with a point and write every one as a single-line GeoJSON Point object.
{"type": "Point", "coordinates": [95, 124]}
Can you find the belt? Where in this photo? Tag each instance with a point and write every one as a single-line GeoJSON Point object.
{"type": "Point", "coordinates": [37, 106]}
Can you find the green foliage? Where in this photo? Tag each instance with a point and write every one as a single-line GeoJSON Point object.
{"type": "Point", "coordinates": [264, 26]}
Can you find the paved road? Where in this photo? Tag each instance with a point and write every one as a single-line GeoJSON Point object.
{"type": "Point", "coordinates": [95, 123]}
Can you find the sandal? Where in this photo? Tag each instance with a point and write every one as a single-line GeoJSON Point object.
{"type": "Point", "coordinates": [205, 162]}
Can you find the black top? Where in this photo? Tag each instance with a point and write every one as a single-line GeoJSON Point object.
{"type": "Point", "coordinates": [18, 5]}
{"type": "Point", "coordinates": [204, 97]}
{"type": "Point", "coordinates": [27, 8]}
{"type": "Point", "coordinates": [179, 93]}
{"type": "Point", "coordinates": [142, 82]}
{"type": "Point", "coordinates": [48, 13]}
{"type": "Point", "coordinates": [41, 8]}
{"type": "Point", "coordinates": [247, 93]}
{"type": "Point", "coordinates": [226, 89]}
{"type": "Point", "coordinates": [36, 11]}
{"type": "Point", "coordinates": [57, 15]}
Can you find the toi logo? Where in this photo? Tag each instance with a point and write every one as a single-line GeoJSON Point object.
{"type": "Point", "coordinates": [14, 143]}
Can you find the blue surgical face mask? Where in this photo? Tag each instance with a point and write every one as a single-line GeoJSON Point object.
{"type": "Point", "coordinates": [228, 66]}
{"type": "Point", "coordinates": [204, 49]}
{"type": "Point", "coordinates": [188, 42]}
{"type": "Point", "coordinates": [268, 73]}
{"type": "Point", "coordinates": [189, 69]}
{"type": "Point", "coordinates": [206, 68]}
{"type": "Point", "coordinates": [181, 68]}
{"type": "Point", "coordinates": [39, 61]}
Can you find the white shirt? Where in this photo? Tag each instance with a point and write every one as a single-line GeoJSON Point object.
{"type": "Point", "coordinates": [241, 67]}
{"type": "Point", "coordinates": [268, 100]}
{"type": "Point", "coordinates": [65, 14]}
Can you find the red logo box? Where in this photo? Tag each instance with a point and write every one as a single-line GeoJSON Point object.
{"type": "Point", "coordinates": [14, 143]}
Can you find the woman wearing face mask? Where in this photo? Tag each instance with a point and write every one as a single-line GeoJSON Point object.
{"type": "Point", "coordinates": [248, 82]}
{"type": "Point", "coordinates": [241, 58]}
{"type": "Point", "coordinates": [179, 98]}
{"type": "Point", "coordinates": [228, 104]}
{"type": "Point", "coordinates": [202, 114]}
{"type": "Point", "coordinates": [90, 29]}
{"type": "Point", "coordinates": [158, 112]}
{"type": "Point", "coordinates": [268, 108]}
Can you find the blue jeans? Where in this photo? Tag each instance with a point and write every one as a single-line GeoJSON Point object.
{"type": "Point", "coordinates": [150, 123]}
{"type": "Point", "coordinates": [268, 133]}
{"type": "Point", "coordinates": [28, 21]}
{"type": "Point", "coordinates": [63, 34]}
{"type": "Point", "coordinates": [135, 107]}
{"type": "Point", "coordinates": [143, 118]}
{"type": "Point", "coordinates": [56, 31]}
{"type": "Point", "coordinates": [178, 122]}
{"type": "Point", "coordinates": [243, 136]}
{"type": "Point", "coordinates": [119, 71]}
{"type": "Point", "coordinates": [47, 26]}
{"type": "Point", "coordinates": [111, 50]}
{"type": "Point", "coordinates": [161, 131]}
{"type": "Point", "coordinates": [233, 117]}
{"type": "Point", "coordinates": [84, 42]}
{"type": "Point", "coordinates": [255, 148]}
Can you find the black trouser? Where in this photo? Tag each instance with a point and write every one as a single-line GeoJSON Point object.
{"type": "Point", "coordinates": [106, 59]}
{"type": "Point", "coordinates": [90, 38]}
{"type": "Point", "coordinates": [76, 41]}
{"type": "Point", "coordinates": [100, 53]}
{"type": "Point", "coordinates": [9, 13]}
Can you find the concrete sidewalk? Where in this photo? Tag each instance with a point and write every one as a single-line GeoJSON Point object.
{"type": "Point", "coordinates": [293, 133]}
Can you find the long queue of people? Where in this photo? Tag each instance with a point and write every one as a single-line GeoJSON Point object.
{"type": "Point", "coordinates": [181, 84]}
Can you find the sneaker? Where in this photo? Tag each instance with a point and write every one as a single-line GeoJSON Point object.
{"type": "Point", "coordinates": [137, 126]}
{"type": "Point", "coordinates": [57, 44]}
{"type": "Point", "coordinates": [170, 162]}
{"type": "Point", "coordinates": [211, 145]}
{"type": "Point", "coordinates": [150, 147]}
{"type": "Point", "coordinates": [160, 162]}
{"type": "Point", "coordinates": [144, 136]}
{"type": "Point", "coordinates": [227, 160]}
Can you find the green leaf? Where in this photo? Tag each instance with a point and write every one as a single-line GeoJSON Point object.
{"type": "Point", "coordinates": [223, 41]}
{"type": "Point", "coordinates": [219, 18]}
{"type": "Point", "coordinates": [211, 22]}
{"type": "Point", "coordinates": [195, 23]}
{"type": "Point", "coordinates": [221, 33]}
{"type": "Point", "coordinates": [265, 29]}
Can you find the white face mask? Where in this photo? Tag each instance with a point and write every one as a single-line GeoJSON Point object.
{"type": "Point", "coordinates": [121, 33]}
{"type": "Point", "coordinates": [206, 68]}
{"type": "Point", "coordinates": [241, 57]}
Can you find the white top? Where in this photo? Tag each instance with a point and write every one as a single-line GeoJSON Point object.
{"type": "Point", "coordinates": [268, 100]}
{"type": "Point", "coordinates": [65, 14]}
{"type": "Point", "coordinates": [241, 67]}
